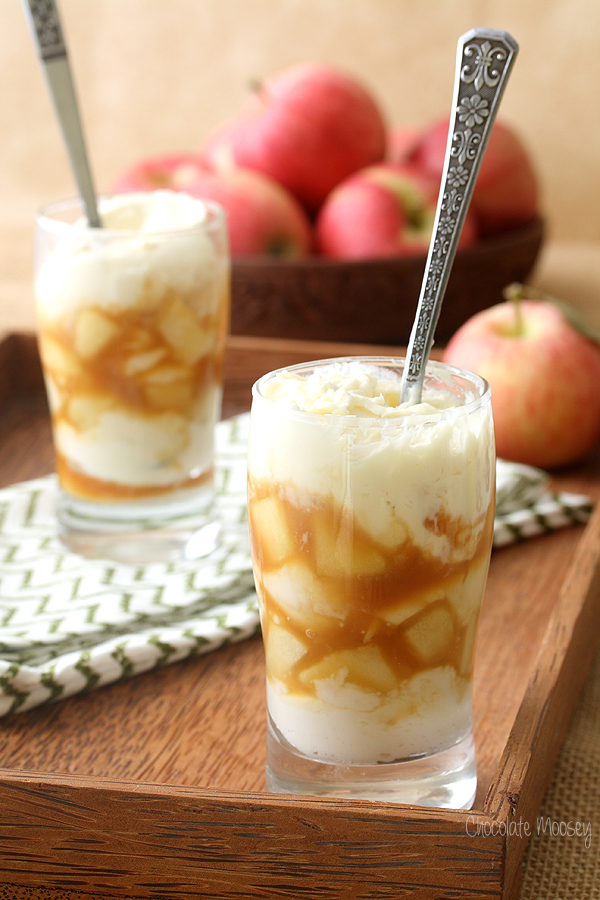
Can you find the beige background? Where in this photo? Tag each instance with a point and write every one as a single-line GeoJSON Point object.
{"type": "Point", "coordinates": [153, 76]}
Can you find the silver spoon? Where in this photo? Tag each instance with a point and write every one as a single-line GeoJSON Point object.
{"type": "Point", "coordinates": [484, 60]}
{"type": "Point", "coordinates": [44, 24]}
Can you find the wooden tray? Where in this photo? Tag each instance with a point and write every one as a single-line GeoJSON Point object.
{"type": "Point", "coordinates": [154, 787]}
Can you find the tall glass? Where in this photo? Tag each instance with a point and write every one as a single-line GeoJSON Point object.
{"type": "Point", "coordinates": [371, 525]}
{"type": "Point", "coordinates": [132, 320]}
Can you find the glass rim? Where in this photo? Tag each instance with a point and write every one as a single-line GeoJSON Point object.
{"type": "Point", "coordinates": [47, 216]}
{"type": "Point", "coordinates": [476, 380]}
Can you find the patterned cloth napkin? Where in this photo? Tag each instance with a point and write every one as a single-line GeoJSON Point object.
{"type": "Point", "coordinates": [525, 507]}
{"type": "Point", "coordinates": [69, 624]}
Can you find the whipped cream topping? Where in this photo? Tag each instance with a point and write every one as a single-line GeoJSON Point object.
{"type": "Point", "coordinates": [151, 212]}
{"type": "Point", "coordinates": [406, 463]}
{"type": "Point", "coordinates": [350, 388]}
{"type": "Point", "coordinates": [129, 261]}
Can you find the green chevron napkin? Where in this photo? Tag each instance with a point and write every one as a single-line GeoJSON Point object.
{"type": "Point", "coordinates": [526, 507]}
{"type": "Point", "coordinates": [69, 624]}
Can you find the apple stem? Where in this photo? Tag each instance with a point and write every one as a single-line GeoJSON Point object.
{"type": "Point", "coordinates": [514, 293]}
{"type": "Point", "coordinates": [258, 88]}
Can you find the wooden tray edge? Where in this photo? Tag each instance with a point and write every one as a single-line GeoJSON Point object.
{"type": "Point", "coordinates": [564, 659]}
{"type": "Point", "coordinates": [127, 840]}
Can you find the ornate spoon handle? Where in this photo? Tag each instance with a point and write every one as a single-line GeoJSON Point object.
{"type": "Point", "coordinates": [44, 22]}
{"type": "Point", "coordinates": [484, 60]}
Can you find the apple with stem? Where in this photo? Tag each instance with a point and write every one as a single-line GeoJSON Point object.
{"type": "Point", "coordinates": [307, 127]}
{"type": "Point", "coordinates": [543, 365]}
{"type": "Point", "coordinates": [262, 217]}
{"type": "Point", "coordinates": [382, 211]}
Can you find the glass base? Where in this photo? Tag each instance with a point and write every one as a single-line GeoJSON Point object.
{"type": "Point", "coordinates": [184, 527]}
{"type": "Point", "coordinates": [447, 779]}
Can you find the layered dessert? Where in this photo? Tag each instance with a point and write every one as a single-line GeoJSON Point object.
{"type": "Point", "coordinates": [371, 524]}
{"type": "Point", "coordinates": [132, 321]}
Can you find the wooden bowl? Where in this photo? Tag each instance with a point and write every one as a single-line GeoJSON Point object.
{"type": "Point", "coordinates": [373, 301]}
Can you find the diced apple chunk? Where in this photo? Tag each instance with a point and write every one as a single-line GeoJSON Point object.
{"type": "Point", "coordinates": [93, 331]}
{"type": "Point", "coordinates": [300, 595]}
{"type": "Point", "coordinates": [141, 362]}
{"type": "Point", "coordinates": [366, 561]}
{"type": "Point", "coordinates": [182, 330]}
{"type": "Point", "coordinates": [282, 651]}
{"type": "Point", "coordinates": [85, 409]}
{"type": "Point", "coordinates": [60, 360]}
{"type": "Point", "coordinates": [271, 529]}
{"type": "Point", "coordinates": [466, 596]}
{"type": "Point", "coordinates": [363, 666]}
{"type": "Point", "coordinates": [169, 396]}
{"type": "Point", "coordinates": [403, 610]}
{"type": "Point", "coordinates": [431, 633]}
{"type": "Point", "coordinates": [166, 374]}
{"type": "Point", "coordinates": [390, 531]}
{"type": "Point", "coordinates": [168, 387]}
{"type": "Point", "coordinates": [337, 554]}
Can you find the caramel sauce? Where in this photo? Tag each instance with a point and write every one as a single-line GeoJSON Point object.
{"type": "Point", "coordinates": [151, 361]}
{"type": "Point", "coordinates": [368, 609]}
{"type": "Point", "coordinates": [80, 485]}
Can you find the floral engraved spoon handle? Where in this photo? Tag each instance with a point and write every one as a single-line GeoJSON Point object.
{"type": "Point", "coordinates": [44, 24]}
{"type": "Point", "coordinates": [484, 60]}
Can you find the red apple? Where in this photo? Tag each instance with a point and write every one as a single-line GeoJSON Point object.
{"type": "Point", "coordinates": [174, 171]}
{"type": "Point", "coordinates": [307, 127]}
{"type": "Point", "coordinates": [402, 142]}
{"type": "Point", "coordinates": [506, 192]}
{"type": "Point", "coordinates": [381, 211]}
{"type": "Point", "coordinates": [262, 217]}
{"type": "Point", "coordinates": [545, 379]}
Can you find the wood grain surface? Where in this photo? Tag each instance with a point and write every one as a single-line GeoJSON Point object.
{"type": "Point", "coordinates": [234, 846]}
{"type": "Point", "coordinates": [154, 786]}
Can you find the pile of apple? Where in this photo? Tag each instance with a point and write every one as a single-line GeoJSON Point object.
{"type": "Point", "coordinates": [308, 165]}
